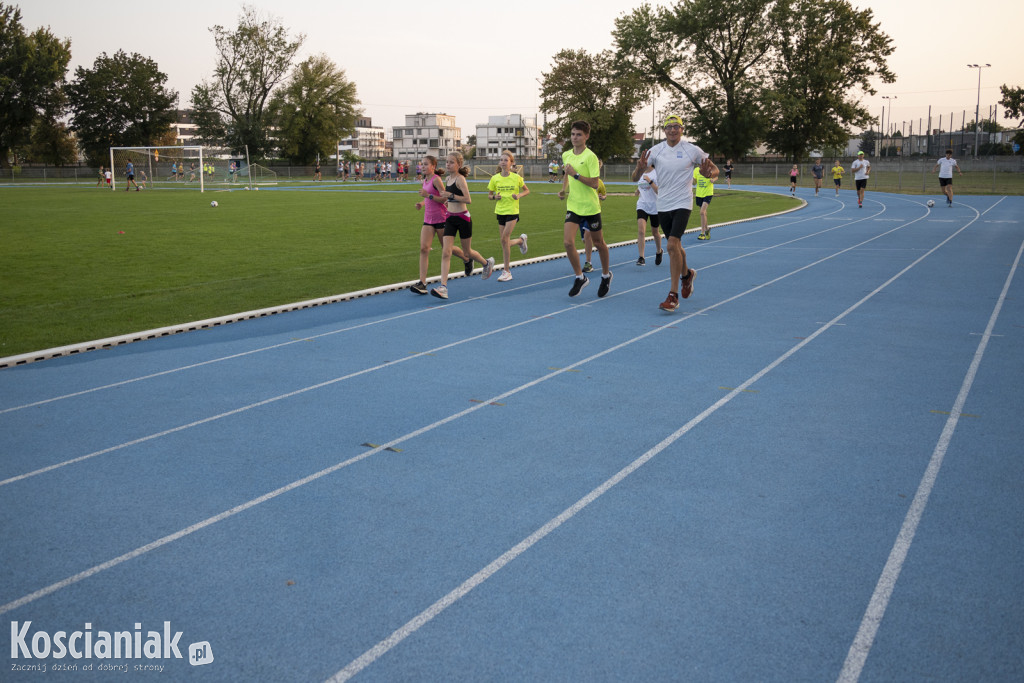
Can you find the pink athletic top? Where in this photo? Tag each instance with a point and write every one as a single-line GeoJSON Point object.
{"type": "Point", "coordinates": [433, 211]}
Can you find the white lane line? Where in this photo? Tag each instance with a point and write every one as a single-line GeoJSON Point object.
{"type": "Point", "coordinates": [865, 638]}
{"type": "Point", "coordinates": [424, 617]}
{"type": "Point", "coordinates": [367, 324]}
{"type": "Point", "coordinates": [71, 580]}
{"type": "Point", "coordinates": [274, 399]}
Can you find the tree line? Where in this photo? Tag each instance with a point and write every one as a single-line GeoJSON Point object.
{"type": "Point", "coordinates": [255, 99]}
{"type": "Point", "coordinates": [788, 73]}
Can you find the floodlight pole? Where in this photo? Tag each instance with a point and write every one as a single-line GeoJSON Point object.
{"type": "Point", "coordinates": [977, 106]}
{"type": "Point", "coordinates": [890, 98]}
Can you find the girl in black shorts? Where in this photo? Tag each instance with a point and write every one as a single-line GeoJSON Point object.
{"type": "Point", "coordinates": [459, 222]}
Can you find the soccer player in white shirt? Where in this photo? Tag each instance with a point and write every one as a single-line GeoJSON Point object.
{"type": "Point", "coordinates": [945, 168]}
{"type": "Point", "coordinates": [674, 160]}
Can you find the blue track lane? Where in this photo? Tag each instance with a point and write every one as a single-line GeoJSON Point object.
{"type": "Point", "coordinates": [516, 485]}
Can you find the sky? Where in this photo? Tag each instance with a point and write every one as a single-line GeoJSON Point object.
{"type": "Point", "coordinates": [478, 59]}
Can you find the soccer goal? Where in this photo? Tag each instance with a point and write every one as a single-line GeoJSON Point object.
{"type": "Point", "coordinates": [259, 175]}
{"type": "Point", "coordinates": [485, 171]}
{"type": "Point", "coordinates": [158, 167]}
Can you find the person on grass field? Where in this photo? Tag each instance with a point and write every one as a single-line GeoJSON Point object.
{"type": "Point", "coordinates": [647, 212]}
{"type": "Point", "coordinates": [674, 160]}
{"type": "Point", "coordinates": [583, 206]}
{"type": "Point", "coordinates": [837, 175]}
{"type": "Point", "coordinates": [434, 215]}
{"type": "Point", "coordinates": [704, 192]}
{"type": "Point", "coordinates": [458, 222]}
{"type": "Point", "coordinates": [945, 168]}
{"type": "Point", "coordinates": [861, 168]}
{"type": "Point", "coordinates": [129, 174]}
{"type": "Point", "coordinates": [817, 172]}
{"type": "Point", "coordinates": [507, 188]}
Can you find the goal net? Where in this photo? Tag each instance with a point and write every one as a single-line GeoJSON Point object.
{"type": "Point", "coordinates": [258, 175]}
{"type": "Point", "coordinates": [158, 167]}
{"type": "Point", "coordinates": [485, 171]}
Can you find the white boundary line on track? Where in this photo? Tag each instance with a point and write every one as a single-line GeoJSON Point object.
{"type": "Point", "coordinates": [71, 580]}
{"type": "Point", "coordinates": [865, 638]}
{"type": "Point", "coordinates": [320, 385]}
{"type": "Point", "coordinates": [397, 287]}
{"type": "Point", "coordinates": [120, 340]}
{"type": "Point", "coordinates": [421, 619]}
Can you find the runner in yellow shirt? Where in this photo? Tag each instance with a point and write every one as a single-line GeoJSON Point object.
{"type": "Point", "coordinates": [583, 207]}
{"type": "Point", "coordinates": [704, 192]}
{"type": "Point", "coordinates": [837, 175]}
{"type": "Point", "coordinates": [507, 187]}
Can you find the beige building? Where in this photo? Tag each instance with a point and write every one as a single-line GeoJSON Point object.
{"type": "Point", "coordinates": [422, 134]}
{"type": "Point", "coordinates": [514, 132]}
{"type": "Point", "coordinates": [367, 142]}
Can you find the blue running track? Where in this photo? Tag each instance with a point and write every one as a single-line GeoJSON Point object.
{"type": "Point", "coordinates": [812, 471]}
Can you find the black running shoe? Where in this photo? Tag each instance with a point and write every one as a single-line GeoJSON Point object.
{"type": "Point", "coordinates": [469, 267]}
{"type": "Point", "coordinates": [418, 288]}
{"type": "Point", "coordinates": [657, 258]}
{"type": "Point", "coordinates": [578, 285]}
{"type": "Point", "coordinates": [606, 281]}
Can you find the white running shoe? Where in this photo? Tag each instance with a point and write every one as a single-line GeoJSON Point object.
{"type": "Point", "coordinates": [505, 276]}
{"type": "Point", "coordinates": [441, 292]}
{"type": "Point", "coordinates": [488, 267]}
{"type": "Point", "coordinates": [522, 246]}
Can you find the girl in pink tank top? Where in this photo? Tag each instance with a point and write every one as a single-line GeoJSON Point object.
{"type": "Point", "coordinates": [435, 213]}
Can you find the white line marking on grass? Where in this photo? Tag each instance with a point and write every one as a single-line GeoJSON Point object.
{"type": "Point", "coordinates": [320, 385]}
{"type": "Point", "coordinates": [71, 580]}
{"type": "Point", "coordinates": [865, 638]}
{"type": "Point", "coordinates": [424, 617]}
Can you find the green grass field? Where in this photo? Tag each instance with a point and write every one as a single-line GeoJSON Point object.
{"type": "Point", "coordinates": [81, 263]}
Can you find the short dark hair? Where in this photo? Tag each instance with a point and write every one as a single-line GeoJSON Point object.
{"type": "Point", "coordinates": [582, 126]}
{"type": "Point", "coordinates": [949, 151]}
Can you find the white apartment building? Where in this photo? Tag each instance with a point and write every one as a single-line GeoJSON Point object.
{"type": "Point", "coordinates": [422, 134]}
{"type": "Point", "coordinates": [184, 129]}
{"type": "Point", "coordinates": [514, 132]}
{"type": "Point", "coordinates": [367, 142]}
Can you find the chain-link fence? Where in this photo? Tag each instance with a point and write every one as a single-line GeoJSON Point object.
{"type": "Point", "coordinates": [994, 175]}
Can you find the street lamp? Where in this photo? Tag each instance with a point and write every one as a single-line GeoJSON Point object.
{"type": "Point", "coordinates": [884, 131]}
{"type": "Point", "coordinates": [977, 106]}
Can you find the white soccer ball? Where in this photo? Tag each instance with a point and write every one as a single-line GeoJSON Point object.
{"type": "Point", "coordinates": [930, 203]}
{"type": "Point", "coordinates": [213, 204]}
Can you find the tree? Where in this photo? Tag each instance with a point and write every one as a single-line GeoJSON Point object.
{"type": "Point", "coordinates": [122, 100]}
{"type": "Point", "coordinates": [868, 141]}
{"type": "Point", "coordinates": [314, 109]}
{"type": "Point", "coordinates": [582, 86]}
{"type": "Point", "coordinates": [825, 55]}
{"type": "Point", "coordinates": [252, 60]}
{"type": "Point", "coordinates": [710, 56]}
{"type": "Point", "coordinates": [788, 72]}
{"type": "Point", "coordinates": [52, 143]}
{"type": "Point", "coordinates": [32, 69]}
{"type": "Point", "coordinates": [1013, 104]}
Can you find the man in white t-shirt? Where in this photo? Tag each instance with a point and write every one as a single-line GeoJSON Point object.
{"type": "Point", "coordinates": [945, 168]}
{"type": "Point", "coordinates": [861, 168]}
{"type": "Point", "coordinates": [674, 160]}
